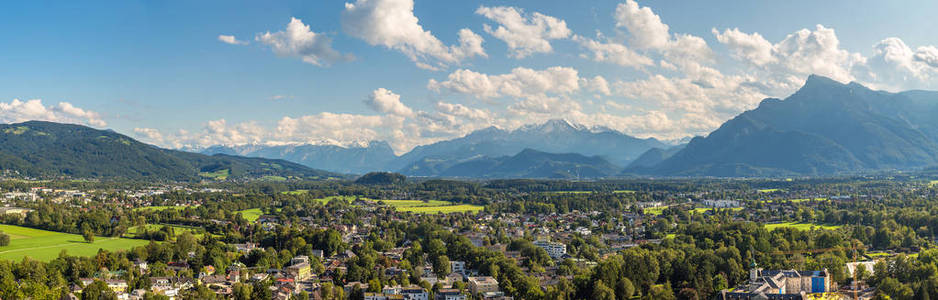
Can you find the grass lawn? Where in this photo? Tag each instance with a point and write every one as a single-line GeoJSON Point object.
{"type": "Point", "coordinates": [440, 209]}
{"type": "Point", "coordinates": [768, 190]}
{"type": "Point", "coordinates": [296, 192]}
{"type": "Point", "coordinates": [251, 214]}
{"type": "Point", "coordinates": [45, 245]}
{"type": "Point", "coordinates": [656, 211]}
{"type": "Point", "coordinates": [217, 175]}
{"type": "Point", "coordinates": [273, 178]}
{"type": "Point", "coordinates": [801, 226]}
{"type": "Point", "coordinates": [177, 229]}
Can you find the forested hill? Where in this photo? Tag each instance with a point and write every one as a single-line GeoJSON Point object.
{"type": "Point", "coordinates": [47, 149]}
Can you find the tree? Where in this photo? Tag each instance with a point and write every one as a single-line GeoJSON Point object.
{"type": "Point", "coordinates": [602, 292]}
{"type": "Point", "coordinates": [97, 290]}
{"type": "Point", "coordinates": [441, 266]}
{"type": "Point", "coordinates": [624, 289]}
{"type": "Point", "coordinates": [4, 239]}
{"type": "Point", "coordinates": [88, 235]}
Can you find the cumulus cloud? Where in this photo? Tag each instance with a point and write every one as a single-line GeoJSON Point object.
{"type": "Point", "coordinates": [646, 29]}
{"type": "Point", "coordinates": [392, 24]}
{"type": "Point", "coordinates": [297, 40]}
{"type": "Point", "coordinates": [612, 52]}
{"type": "Point", "coordinates": [521, 82]}
{"type": "Point", "coordinates": [524, 34]}
{"type": "Point", "coordinates": [927, 55]}
{"type": "Point", "coordinates": [230, 39]}
{"type": "Point", "coordinates": [385, 101]}
{"type": "Point", "coordinates": [64, 112]}
{"type": "Point", "coordinates": [752, 48]}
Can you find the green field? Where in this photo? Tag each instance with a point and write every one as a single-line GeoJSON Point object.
{"type": "Point", "coordinates": [296, 192]}
{"type": "Point", "coordinates": [177, 229]}
{"type": "Point", "coordinates": [251, 214]}
{"type": "Point", "coordinates": [656, 211]}
{"type": "Point", "coordinates": [45, 245]}
{"type": "Point", "coordinates": [441, 209]}
{"type": "Point", "coordinates": [801, 226]}
{"type": "Point", "coordinates": [768, 190]}
{"type": "Point", "coordinates": [217, 175]}
{"type": "Point", "coordinates": [273, 178]}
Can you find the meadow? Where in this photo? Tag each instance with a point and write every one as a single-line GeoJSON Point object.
{"type": "Point", "coordinates": [801, 226]}
{"type": "Point", "coordinates": [45, 245]}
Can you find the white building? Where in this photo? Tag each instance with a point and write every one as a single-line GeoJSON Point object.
{"type": "Point", "coordinates": [458, 267]}
{"type": "Point", "coordinates": [721, 203]}
{"type": "Point", "coordinates": [555, 250]}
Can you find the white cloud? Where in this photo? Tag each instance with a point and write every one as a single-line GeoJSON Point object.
{"type": "Point", "coordinates": [392, 24]}
{"type": "Point", "coordinates": [385, 101]}
{"type": "Point", "coordinates": [752, 48]}
{"type": "Point", "coordinates": [460, 110]}
{"type": "Point", "coordinates": [927, 55]}
{"type": "Point", "coordinates": [230, 39]}
{"type": "Point", "coordinates": [647, 30]}
{"type": "Point", "coordinates": [21, 111]}
{"type": "Point", "coordinates": [521, 82]}
{"type": "Point", "coordinates": [524, 34]}
{"type": "Point", "coordinates": [299, 41]}
{"type": "Point", "coordinates": [613, 52]}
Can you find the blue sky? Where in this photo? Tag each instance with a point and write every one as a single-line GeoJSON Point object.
{"type": "Point", "coordinates": [377, 70]}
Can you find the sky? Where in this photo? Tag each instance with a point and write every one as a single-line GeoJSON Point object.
{"type": "Point", "coordinates": [411, 72]}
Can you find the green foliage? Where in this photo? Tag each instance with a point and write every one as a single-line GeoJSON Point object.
{"type": "Point", "coordinates": [46, 149]}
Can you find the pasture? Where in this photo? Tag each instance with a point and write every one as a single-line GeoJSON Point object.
{"type": "Point", "coordinates": [45, 245]}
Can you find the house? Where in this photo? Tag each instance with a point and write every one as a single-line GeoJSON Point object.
{"type": "Point", "coordinates": [555, 250]}
{"type": "Point", "coordinates": [383, 296]}
{"type": "Point", "coordinates": [450, 294]}
{"type": "Point", "coordinates": [299, 267]}
{"type": "Point", "coordinates": [458, 267]}
{"type": "Point", "coordinates": [117, 285]}
{"type": "Point", "coordinates": [781, 285]}
{"type": "Point", "coordinates": [483, 284]}
{"type": "Point", "coordinates": [721, 203]}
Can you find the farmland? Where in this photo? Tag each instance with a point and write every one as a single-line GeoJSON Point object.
{"type": "Point", "coordinates": [46, 245]}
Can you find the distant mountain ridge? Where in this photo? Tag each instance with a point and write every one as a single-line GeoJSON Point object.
{"type": "Point", "coordinates": [526, 164]}
{"type": "Point", "coordinates": [47, 149]}
{"type": "Point", "coordinates": [824, 128]}
{"type": "Point", "coordinates": [358, 160]}
{"type": "Point", "coordinates": [553, 136]}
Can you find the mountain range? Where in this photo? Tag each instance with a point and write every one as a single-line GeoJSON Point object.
{"type": "Point", "coordinates": [824, 128]}
{"type": "Point", "coordinates": [354, 160]}
{"type": "Point", "coordinates": [554, 136]}
{"type": "Point", "coordinates": [46, 149]}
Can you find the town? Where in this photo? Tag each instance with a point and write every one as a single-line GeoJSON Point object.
{"type": "Point", "coordinates": [441, 239]}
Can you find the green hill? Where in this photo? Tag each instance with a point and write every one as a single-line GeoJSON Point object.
{"type": "Point", "coordinates": [47, 149]}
